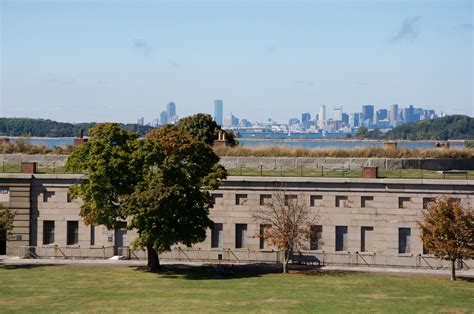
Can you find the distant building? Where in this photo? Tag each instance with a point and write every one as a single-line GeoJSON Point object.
{"type": "Point", "coordinates": [171, 109]}
{"type": "Point", "coordinates": [219, 111]}
{"type": "Point", "coordinates": [173, 119]}
{"type": "Point", "coordinates": [141, 121]}
{"type": "Point", "coordinates": [382, 114]}
{"type": "Point", "coordinates": [245, 123]}
{"type": "Point", "coordinates": [393, 118]}
{"type": "Point", "coordinates": [409, 115]}
{"type": "Point", "coordinates": [305, 119]}
{"type": "Point", "coordinates": [337, 113]}
{"type": "Point", "coordinates": [428, 114]}
{"type": "Point", "coordinates": [293, 121]}
{"type": "Point", "coordinates": [322, 116]}
{"type": "Point", "coordinates": [163, 117]}
{"type": "Point", "coordinates": [231, 121]}
{"type": "Point", "coordinates": [368, 113]}
{"type": "Point", "coordinates": [345, 118]}
{"type": "Point", "coordinates": [354, 119]}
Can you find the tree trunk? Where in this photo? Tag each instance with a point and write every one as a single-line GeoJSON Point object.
{"type": "Point", "coordinates": [153, 259]}
{"type": "Point", "coordinates": [453, 269]}
{"type": "Point", "coordinates": [285, 266]}
{"type": "Point", "coordinates": [285, 262]}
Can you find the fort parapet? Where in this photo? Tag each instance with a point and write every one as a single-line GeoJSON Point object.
{"type": "Point", "coordinates": [361, 221]}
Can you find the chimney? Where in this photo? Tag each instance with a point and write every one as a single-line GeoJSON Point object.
{"type": "Point", "coordinates": [80, 140]}
{"type": "Point", "coordinates": [370, 172]}
{"type": "Point", "coordinates": [28, 167]}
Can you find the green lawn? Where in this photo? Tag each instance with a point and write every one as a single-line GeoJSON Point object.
{"type": "Point", "coordinates": [195, 289]}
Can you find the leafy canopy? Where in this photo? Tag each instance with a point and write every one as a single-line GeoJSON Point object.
{"type": "Point", "coordinates": [204, 128]}
{"type": "Point", "coordinates": [106, 160]}
{"type": "Point", "coordinates": [158, 184]}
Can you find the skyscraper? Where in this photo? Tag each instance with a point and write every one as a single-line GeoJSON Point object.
{"type": "Point", "coordinates": [393, 115]}
{"type": "Point", "coordinates": [337, 113]}
{"type": "Point", "coordinates": [368, 113]}
{"type": "Point", "coordinates": [322, 116]}
{"type": "Point", "coordinates": [171, 109]}
{"type": "Point", "coordinates": [305, 118]}
{"type": "Point", "coordinates": [163, 117]}
{"type": "Point", "coordinates": [354, 119]}
{"type": "Point", "coordinates": [219, 111]}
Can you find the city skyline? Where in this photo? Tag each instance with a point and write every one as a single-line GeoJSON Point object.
{"type": "Point", "coordinates": [99, 61]}
{"type": "Point", "coordinates": [369, 116]}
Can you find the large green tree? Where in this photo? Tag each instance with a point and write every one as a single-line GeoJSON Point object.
{"type": "Point", "coordinates": [157, 184]}
{"type": "Point", "coordinates": [171, 203]}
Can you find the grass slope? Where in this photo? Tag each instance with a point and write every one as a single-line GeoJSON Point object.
{"type": "Point", "coordinates": [194, 289]}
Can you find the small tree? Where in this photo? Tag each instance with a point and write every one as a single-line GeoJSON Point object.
{"type": "Point", "coordinates": [6, 223]}
{"type": "Point", "coordinates": [448, 231]}
{"type": "Point", "coordinates": [287, 222]}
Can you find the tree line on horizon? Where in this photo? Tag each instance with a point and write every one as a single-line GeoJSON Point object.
{"type": "Point", "coordinates": [50, 128]}
{"type": "Point", "coordinates": [456, 127]}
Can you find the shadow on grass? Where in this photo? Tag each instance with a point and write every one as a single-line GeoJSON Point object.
{"type": "Point", "coordinates": [25, 266]}
{"type": "Point", "coordinates": [468, 279]}
{"type": "Point", "coordinates": [214, 271]}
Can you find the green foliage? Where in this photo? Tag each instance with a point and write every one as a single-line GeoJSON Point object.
{"type": "Point", "coordinates": [50, 128]}
{"type": "Point", "coordinates": [171, 203]}
{"type": "Point", "coordinates": [6, 222]}
{"type": "Point", "coordinates": [204, 128]}
{"type": "Point", "coordinates": [158, 184]}
{"type": "Point", "coordinates": [105, 160]}
{"type": "Point", "coordinates": [469, 144]}
{"type": "Point", "coordinates": [201, 126]}
{"type": "Point", "coordinates": [363, 132]}
{"type": "Point", "coordinates": [454, 127]}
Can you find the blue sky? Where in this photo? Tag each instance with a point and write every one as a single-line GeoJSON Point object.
{"type": "Point", "coordinates": [120, 60]}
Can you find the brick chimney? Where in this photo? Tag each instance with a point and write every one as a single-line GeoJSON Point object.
{"type": "Point", "coordinates": [28, 167]}
{"type": "Point", "coordinates": [80, 140]}
{"type": "Point", "coordinates": [370, 172]}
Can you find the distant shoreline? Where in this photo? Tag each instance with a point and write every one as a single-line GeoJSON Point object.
{"type": "Point", "coordinates": [278, 139]}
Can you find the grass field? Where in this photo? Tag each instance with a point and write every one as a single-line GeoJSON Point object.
{"type": "Point", "coordinates": [195, 289]}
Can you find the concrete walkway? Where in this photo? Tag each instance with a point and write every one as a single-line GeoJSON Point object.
{"type": "Point", "coordinates": [15, 261]}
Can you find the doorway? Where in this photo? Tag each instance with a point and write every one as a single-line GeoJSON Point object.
{"type": "Point", "coordinates": [3, 244]}
{"type": "Point", "coordinates": [120, 240]}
